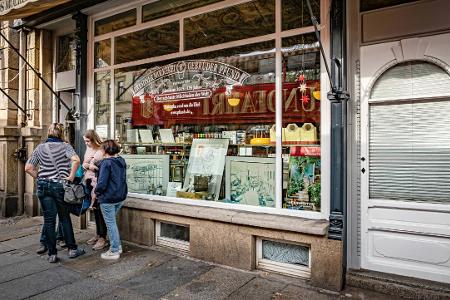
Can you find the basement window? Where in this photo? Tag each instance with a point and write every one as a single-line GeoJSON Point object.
{"type": "Point", "coordinates": [285, 258]}
{"type": "Point", "coordinates": [172, 235]}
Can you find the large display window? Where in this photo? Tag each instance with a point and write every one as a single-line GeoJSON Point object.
{"type": "Point", "coordinates": [202, 124]}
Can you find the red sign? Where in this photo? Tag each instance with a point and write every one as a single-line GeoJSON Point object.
{"type": "Point", "coordinates": [256, 104]}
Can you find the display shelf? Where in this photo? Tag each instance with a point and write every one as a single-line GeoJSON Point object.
{"type": "Point", "coordinates": [234, 145]}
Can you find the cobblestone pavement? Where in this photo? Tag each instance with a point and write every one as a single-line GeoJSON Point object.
{"type": "Point", "coordinates": [141, 273]}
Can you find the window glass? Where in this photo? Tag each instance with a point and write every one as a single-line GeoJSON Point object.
{"type": "Point", "coordinates": [155, 41]}
{"type": "Point", "coordinates": [295, 13]}
{"type": "Point", "coordinates": [163, 8]}
{"type": "Point", "coordinates": [173, 231]}
{"type": "Point", "coordinates": [301, 122]}
{"type": "Point", "coordinates": [102, 53]}
{"type": "Point", "coordinates": [199, 127]}
{"type": "Point", "coordinates": [66, 53]}
{"type": "Point", "coordinates": [285, 253]}
{"type": "Point", "coordinates": [229, 24]}
{"type": "Point", "coordinates": [116, 22]}
{"type": "Point", "coordinates": [102, 103]}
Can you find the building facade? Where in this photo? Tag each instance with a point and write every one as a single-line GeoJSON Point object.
{"type": "Point", "coordinates": [235, 153]}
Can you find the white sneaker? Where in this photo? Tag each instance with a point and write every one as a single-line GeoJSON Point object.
{"type": "Point", "coordinates": [110, 255]}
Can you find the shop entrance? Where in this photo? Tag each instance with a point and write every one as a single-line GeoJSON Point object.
{"type": "Point", "coordinates": [405, 163]}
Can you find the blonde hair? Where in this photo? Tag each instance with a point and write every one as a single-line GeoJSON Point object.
{"type": "Point", "coordinates": [93, 137]}
{"type": "Point", "coordinates": [56, 130]}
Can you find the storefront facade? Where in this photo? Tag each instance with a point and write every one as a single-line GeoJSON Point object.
{"type": "Point", "coordinates": [221, 111]}
{"type": "Point", "coordinates": [194, 93]}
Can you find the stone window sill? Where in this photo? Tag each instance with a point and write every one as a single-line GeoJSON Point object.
{"type": "Point", "coordinates": [256, 219]}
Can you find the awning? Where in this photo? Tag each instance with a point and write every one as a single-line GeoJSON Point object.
{"type": "Point", "coordinates": [17, 9]}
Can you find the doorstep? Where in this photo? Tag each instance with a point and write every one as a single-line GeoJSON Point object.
{"type": "Point", "coordinates": [396, 285]}
{"type": "Point", "coordinates": [238, 217]}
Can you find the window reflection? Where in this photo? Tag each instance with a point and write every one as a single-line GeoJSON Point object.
{"type": "Point", "coordinates": [116, 22]}
{"type": "Point", "coordinates": [229, 24]}
{"type": "Point", "coordinates": [102, 103]}
{"type": "Point", "coordinates": [102, 53]}
{"type": "Point", "coordinates": [66, 53]}
{"type": "Point", "coordinates": [295, 13]}
{"type": "Point", "coordinates": [155, 41]}
{"type": "Point", "coordinates": [163, 8]}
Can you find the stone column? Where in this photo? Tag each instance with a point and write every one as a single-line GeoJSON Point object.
{"type": "Point", "coordinates": [9, 132]}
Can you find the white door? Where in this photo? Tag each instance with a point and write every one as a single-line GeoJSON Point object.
{"type": "Point", "coordinates": [405, 175]}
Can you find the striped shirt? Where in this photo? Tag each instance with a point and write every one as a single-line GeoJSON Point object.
{"type": "Point", "coordinates": [61, 152]}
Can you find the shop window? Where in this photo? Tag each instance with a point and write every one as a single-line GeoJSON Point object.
{"type": "Point", "coordinates": [286, 258]}
{"type": "Point", "coordinates": [102, 53]}
{"type": "Point", "coordinates": [102, 111]}
{"type": "Point", "coordinates": [163, 8]}
{"type": "Point", "coordinates": [295, 13]}
{"type": "Point", "coordinates": [172, 235]}
{"type": "Point", "coordinates": [120, 89]}
{"type": "Point", "coordinates": [66, 53]}
{"type": "Point", "coordinates": [116, 22]}
{"type": "Point", "coordinates": [155, 41]}
{"type": "Point", "coordinates": [241, 21]}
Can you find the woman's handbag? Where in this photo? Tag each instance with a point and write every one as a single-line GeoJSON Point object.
{"type": "Point", "coordinates": [74, 193]}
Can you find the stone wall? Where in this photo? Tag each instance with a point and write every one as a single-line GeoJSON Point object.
{"type": "Point", "coordinates": [235, 245]}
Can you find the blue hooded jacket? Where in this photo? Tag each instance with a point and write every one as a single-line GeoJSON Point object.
{"type": "Point", "coordinates": [112, 183]}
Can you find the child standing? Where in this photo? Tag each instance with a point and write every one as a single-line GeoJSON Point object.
{"type": "Point", "coordinates": [111, 192]}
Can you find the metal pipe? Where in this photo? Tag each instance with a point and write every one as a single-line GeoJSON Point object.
{"type": "Point", "coordinates": [34, 70]}
{"type": "Point", "coordinates": [316, 30]}
{"type": "Point", "coordinates": [13, 101]}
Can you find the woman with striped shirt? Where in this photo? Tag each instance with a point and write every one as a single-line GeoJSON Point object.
{"type": "Point", "coordinates": [57, 162]}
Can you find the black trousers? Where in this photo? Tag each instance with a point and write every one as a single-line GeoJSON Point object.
{"type": "Point", "coordinates": [100, 224]}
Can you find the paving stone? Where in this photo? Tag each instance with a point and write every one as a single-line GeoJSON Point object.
{"type": "Point", "coordinates": [5, 248]}
{"type": "Point", "coordinates": [87, 288]}
{"type": "Point", "coordinates": [37, 283]}
{"type": "Point", "coordinates": [124, 294]}
{"type": "Point", "coordinates": [128, 266]}
{"type": "Point", "coordinates": [91, 261]}
{"type": "Point", "coordinates": [292, 292]}
{"type": "Point", "coordinates": [24, 242]}
{"type": "Point", "coordinates": [13, 257]}
{"type": "Point", "coordinates": [12, 233]}
{"type": "Point", "coordinates": [162, 279]}
{"type": "Point", "coordinates": [217, 283]}
{"type": "Point", "coordinates": [24, 268]}
{"type": "Point", "coordinates": [258, 288]}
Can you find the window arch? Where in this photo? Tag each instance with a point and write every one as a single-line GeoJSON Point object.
{"type": "Point", "coordinates": [412, 79]}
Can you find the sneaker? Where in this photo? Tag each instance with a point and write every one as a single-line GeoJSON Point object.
{"type": "Point", "coordinates": [110, 255]}
{"type": "Point", "coordinates": [52, 258]}
{"type": "Point", "coordinates": [42, 249]}
{"type": "Point", "coordinates": [76, 252]}
{"type": "Point", "coordinates": [92, 240]}
{"type": "Point", "coordinates": [61, 243]}
{"type": "Point", "coordinates": [101, 244]}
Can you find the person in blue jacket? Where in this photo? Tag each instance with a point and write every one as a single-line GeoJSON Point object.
{"type": "Point", "coordinates": [111, 192]}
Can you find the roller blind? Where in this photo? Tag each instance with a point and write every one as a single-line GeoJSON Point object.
{"type": "Point", "coordinates": [409, 141]}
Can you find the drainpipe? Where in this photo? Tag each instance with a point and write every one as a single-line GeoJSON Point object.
{"type": "Point", "coordinates": [81, 81]}
{"type": "Point", "coordinates": [339, 98]}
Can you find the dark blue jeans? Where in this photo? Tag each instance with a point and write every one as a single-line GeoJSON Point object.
{"type": "Point", "coordinates": [51, 197]}
{"type": "Point", "coordinates": [59, 234]}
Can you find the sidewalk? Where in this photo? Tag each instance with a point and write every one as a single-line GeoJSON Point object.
{"type": "Point", "coordinates": [141, 273]}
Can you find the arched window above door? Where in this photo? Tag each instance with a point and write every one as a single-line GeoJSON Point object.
{"type": "Point", "coordinates": [413, 79]}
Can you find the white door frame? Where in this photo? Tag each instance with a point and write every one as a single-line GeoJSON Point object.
{"type": "Point", "coordinates": [424, 224]}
